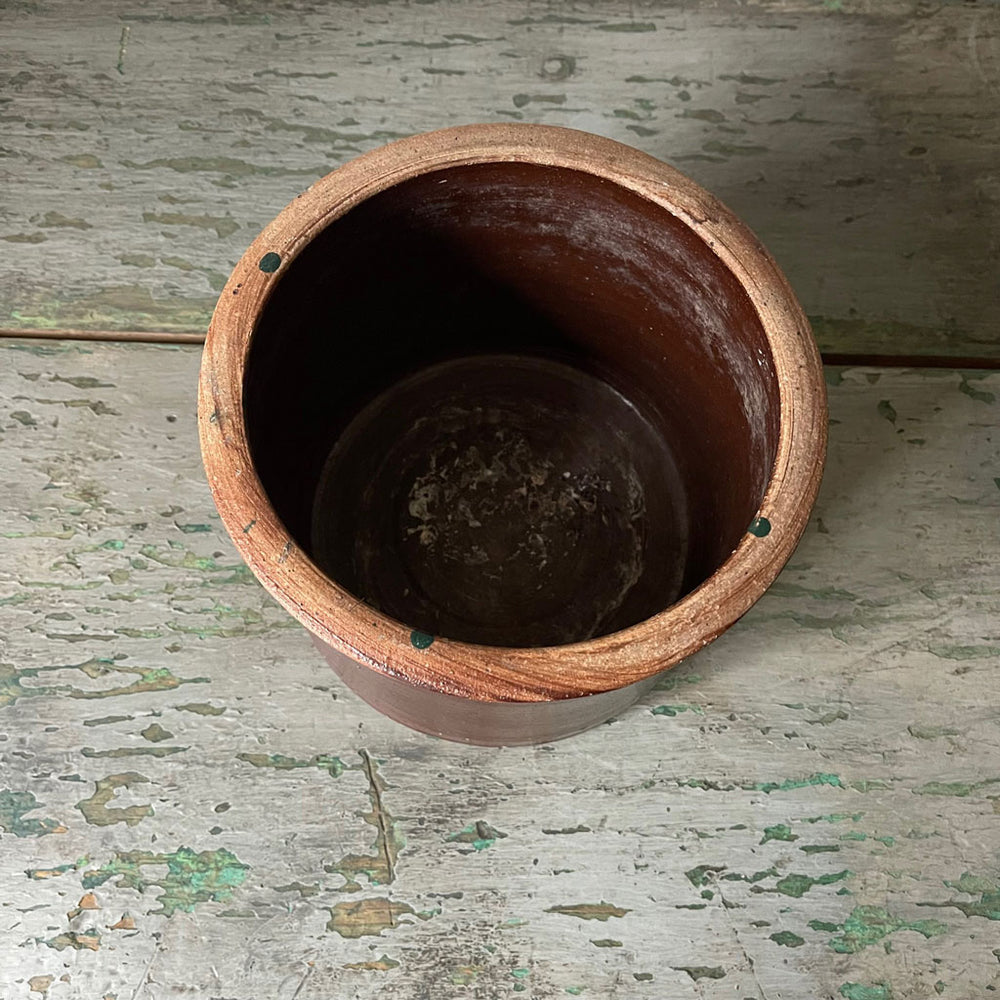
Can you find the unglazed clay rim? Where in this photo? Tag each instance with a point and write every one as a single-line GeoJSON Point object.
{"type": "Point", "coordinates": [492, 673]}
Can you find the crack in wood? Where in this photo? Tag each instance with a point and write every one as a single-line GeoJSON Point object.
{"type": "Point", "coordinates": [375, 794]}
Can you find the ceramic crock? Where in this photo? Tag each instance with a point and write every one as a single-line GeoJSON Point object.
{"type": "Point", "coordinates": [512, 419]}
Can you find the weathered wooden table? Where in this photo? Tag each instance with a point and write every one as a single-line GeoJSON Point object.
{"type": "Point", "coordinates": [191, 804]}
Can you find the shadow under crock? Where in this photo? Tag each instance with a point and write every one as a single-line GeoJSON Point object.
{"type": "Point", "coordinates": [512, 404]}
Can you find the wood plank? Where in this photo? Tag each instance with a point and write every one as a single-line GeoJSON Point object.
{"type": "Point", "coordinates": [808, 808]}
{"type": "Point", "coordinates": [144, 147]}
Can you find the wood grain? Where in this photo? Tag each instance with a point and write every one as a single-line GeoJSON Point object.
{"type": "Point", "coordinates": [144, 147]}
{"type": "Point", "coordinates": [192, 805]}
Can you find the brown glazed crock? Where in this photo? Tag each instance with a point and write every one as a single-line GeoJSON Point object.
{"type": "Point", "coordinates": [491, 257]}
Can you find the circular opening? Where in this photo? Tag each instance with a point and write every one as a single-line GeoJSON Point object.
{"type": "Point", "coordinates": [512, 404]}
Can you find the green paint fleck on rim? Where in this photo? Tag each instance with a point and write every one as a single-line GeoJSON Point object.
{"type": "Point", "coordinates": [270, 263]}
{"type": "Point", "coordinates": [420, 640]}
{"type": "Point", "coordinates": [760, 526]}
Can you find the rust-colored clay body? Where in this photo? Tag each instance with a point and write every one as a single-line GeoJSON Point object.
{"type": "Point", "coordinates": [512, 418]}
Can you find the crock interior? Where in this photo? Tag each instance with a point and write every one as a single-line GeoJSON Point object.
{"type": "Point", "coordinates": [512, 404]}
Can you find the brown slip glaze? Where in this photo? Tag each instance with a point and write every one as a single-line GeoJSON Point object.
{"type": "Point", "coordinates": [515, 417]}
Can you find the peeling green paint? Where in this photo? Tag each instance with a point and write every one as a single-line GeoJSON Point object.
{"type": "Point", "coordinates": [925, 732]}
{"type": "Point", "coordinates": [790, 784]}
{"type": "Point", "coordinates": [823, 925]}
{"type": "Point", "coordinates": [367, 917]}
{"type": "Point", "coordinates": [56, 220]}
{"type": "Point", "coordinates": [96, 668]}
{"type": "Point", "coordinates": [95, 809]}
{"type": "Point", "coordinates": [859, 836]}
{"type": "Point", "coordinates": [988, 904]}
{"type": "Point", "coordinates": [867, 925]}
{"type": "Point", "coordinates": [155, 733]}
{"type": "Point", "coordinates": [771, 872]}
{"type": "Point", "coordinates": [133, 752]}
{"type": "Point", "coordinates": [672, 710]}
{"type": "Point", "coordinates": [865, 785]}
{"type": "Point", "coordinates": [606, 943]}
{"type": "Point", "coordinates": [856, 991]}
{"type": "Point", "coordinates": [780, 831]}
{"type": "Point", "coordinates": [76, 940]}
{"type": "Point", "coordinates": [333, 766]}
{"type": "Point", "coordinates": [13, 809]}
{"type": "Point", "coordinates": [969, 883]}
{"type": "Point", "coordinates": [191, 878]}
{"type": "Point", "coordinates": [304, 891]}
{"type": "Point", "coordinates": [589, 911]}
{"type": "Point", "coordinates": [980, 395]}
{"type": "Point", "coordinates": [956, 789]}
{"type": "Point", "coordinates": [105, 720]}
{"type": "Point", "coordinates": [797, 885]}
{"type": "Point", "coordinates": [767, 787]}
{"type": "Point", "coordinates": [701, 874]}
{"type": "Point", "coordinates": [24, 238]}
{"type": "Point", "coordinates": [200, 708]}
{"type": "Point", "coordinates": [787, 939]}
{"type": "Point", "coordinates": [40, 874]}
{"type": "Point", "coordinates": [479, 834]}
{"type": "Point", "coordinates": [697, 972]}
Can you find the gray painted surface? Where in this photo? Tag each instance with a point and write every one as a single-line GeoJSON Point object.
{"type": "Point", "coordinates": [191, 804]}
